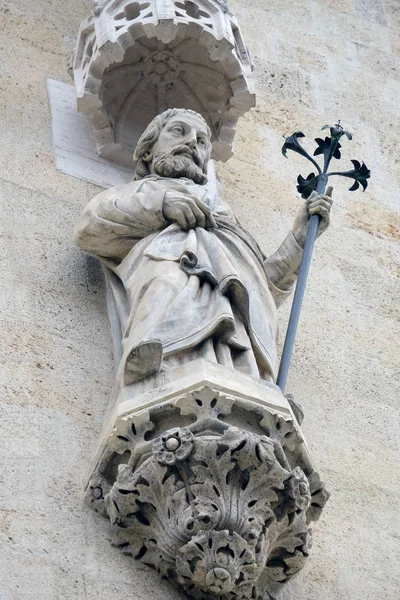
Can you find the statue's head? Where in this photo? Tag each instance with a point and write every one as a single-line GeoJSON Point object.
{"type": "Point", "coordinates": [176, 143]}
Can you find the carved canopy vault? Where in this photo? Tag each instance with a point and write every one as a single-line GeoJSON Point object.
{"type": "Point", "coordinates": [133, 60]}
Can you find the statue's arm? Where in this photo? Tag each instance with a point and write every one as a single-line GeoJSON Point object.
{"type": "Point", "coordinates": [283, 266]}
{"type": "Point", "coordinates": [115, 220]}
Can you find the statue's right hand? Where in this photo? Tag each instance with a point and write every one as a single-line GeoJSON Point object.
{"type": "Point", "coordinates": [188, 211]}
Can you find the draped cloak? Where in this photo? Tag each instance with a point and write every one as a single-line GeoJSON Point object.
{"type": "Point", "coordinates": [176, 295]}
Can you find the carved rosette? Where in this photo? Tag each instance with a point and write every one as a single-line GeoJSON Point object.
{"type": "Point", "coordinates": [135, 59]}
{"type": "Point", "coordinates": [220, 510]}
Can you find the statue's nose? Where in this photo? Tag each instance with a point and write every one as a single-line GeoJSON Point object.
{"type": "Point", "coordinates": [191, 139]}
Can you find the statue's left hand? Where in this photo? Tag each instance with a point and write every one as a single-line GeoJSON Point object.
{"type": "Point", "coordinates": [316, 204]}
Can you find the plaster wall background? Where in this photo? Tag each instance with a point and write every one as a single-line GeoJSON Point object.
{"type": "Point", "coordinates": [315, 62]}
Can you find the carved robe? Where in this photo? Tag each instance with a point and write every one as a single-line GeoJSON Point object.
{"type": "Point", "coordinates": [173, 295]}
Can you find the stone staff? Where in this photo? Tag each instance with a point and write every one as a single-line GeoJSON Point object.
{"type": "Point", "coordinates": [314, 185]}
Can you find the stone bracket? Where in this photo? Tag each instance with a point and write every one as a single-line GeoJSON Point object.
{"type": "Point", "coordinates": [201, 459]}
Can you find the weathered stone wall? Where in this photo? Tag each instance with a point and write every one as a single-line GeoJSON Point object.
{"type": "Point", "coordinates": [315, 62]}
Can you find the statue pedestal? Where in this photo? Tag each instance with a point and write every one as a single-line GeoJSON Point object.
{"type": "Point", "coordinates": [206, 476]}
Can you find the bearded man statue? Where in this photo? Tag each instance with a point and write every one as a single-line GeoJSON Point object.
{"type": "Point", "coordinates": [185, 279]}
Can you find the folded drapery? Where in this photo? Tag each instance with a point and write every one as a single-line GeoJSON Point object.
{"type": "Point", "coordinates": [175, 295]}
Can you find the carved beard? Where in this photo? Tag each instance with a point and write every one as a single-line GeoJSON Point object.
{"type": "Point", "coordinates": [174, 164]}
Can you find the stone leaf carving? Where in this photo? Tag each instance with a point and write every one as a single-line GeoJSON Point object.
{"type": "Point", "coordinates": [217, 514]}
{"type": "Point", "coordinates": [202, 409]}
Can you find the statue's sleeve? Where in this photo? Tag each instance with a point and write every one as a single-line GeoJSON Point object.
{"type": "Point", "coordinates": [282, 268]}
{"type": "Point", "coordinates": [115, 220]}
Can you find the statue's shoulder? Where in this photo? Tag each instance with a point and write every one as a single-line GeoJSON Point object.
{"type": "Point", "coordinates": [117, 191]}
{"type": "Point", "coordinates": [150, 182]}
{"type": "Point", "coordinates": [131, 186]}
{"type": "Point", "coordinates": [149, 185]}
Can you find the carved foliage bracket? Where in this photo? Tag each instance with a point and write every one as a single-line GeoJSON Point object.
{"type": "Point", "coordinates": [220, 503]}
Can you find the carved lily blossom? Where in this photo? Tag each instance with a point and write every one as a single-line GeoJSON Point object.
{"type": "Point", "coordinates": [331, 144]}
{"type": "Point", "coordinates": [324, 147]}
{"type": "Point", "coordinates": [329, 148]}
{"type": "Point", "coordinates": [306, 186]}
{"type": "Point", "coordinates": [360, 174]}
{"type": "Point", "coordinates": [337, 131]}
{"type": "Point", "coordinates": [174, 446]}
{"type": "Point", "coordinates": [292, 143]}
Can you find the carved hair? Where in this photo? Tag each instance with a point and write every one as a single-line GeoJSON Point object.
{"type": "Point", "coordinates": [142, 156]}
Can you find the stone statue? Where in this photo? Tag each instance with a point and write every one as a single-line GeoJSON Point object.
{"type": "Point", "coordinates": [202, 467]}
{"type": "Point", "coordinates": [185, 279]}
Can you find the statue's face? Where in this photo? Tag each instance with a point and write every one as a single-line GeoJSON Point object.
{"type": "Point", "coordinates": [184, 134]}
{"type": "Point", "coordinates": [182, 148]}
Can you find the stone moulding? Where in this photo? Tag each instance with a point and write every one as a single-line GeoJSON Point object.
{"type": "Point", "coordinates": [205, 476]}
{"type": "Point", "coordinates": [133, 60]}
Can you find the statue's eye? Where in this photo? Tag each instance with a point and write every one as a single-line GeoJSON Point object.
{"type": "Point", "coordinates": [178, 129]}
{"type": "Point", "coordinates": [201, 141]}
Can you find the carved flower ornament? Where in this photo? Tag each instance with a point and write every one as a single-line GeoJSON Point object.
{"type": "Point", "coordinates": [161, 67]}
{"type": "Point", "coordinates": [220, 563]}
{"type": "Point", "coordinates": [174, 446]}
{"type": "Point", "coordinates": [299, 489]}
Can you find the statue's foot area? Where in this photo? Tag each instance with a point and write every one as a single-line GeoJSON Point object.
{"type": "Point", "coordinates": [142, 361]}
